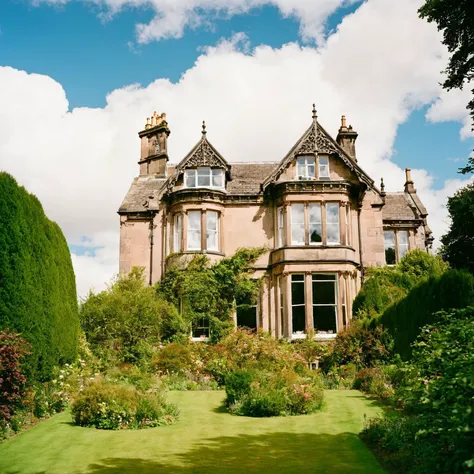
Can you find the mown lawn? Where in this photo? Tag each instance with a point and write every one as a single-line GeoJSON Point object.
{"type": "Point", "coordinates": [205, 440]}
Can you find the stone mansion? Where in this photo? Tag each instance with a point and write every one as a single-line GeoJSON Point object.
{"type": "Point", "coordinates": [320, 215]}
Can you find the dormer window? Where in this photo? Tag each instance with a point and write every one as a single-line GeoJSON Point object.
{"type": "Point", "coordinates": [323, 169]}
{"type": "Point", "coordinates": [305, 167]}
{"type": "Point", "coordinates": [204, 177]}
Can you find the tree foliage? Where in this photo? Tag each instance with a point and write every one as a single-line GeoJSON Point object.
{"type": "Point", "coordinates": [458, 243]}
{"type": "Point", "coordinates": [387, 285]}
{"type": "Point", "coordinates": [37, 284]}
{"type": "Point", "coordinates": [126, 320]}
{"type": "Point", "coordinates": [202, 290]}
{"type": "Point", "coordinates": [455, 18]}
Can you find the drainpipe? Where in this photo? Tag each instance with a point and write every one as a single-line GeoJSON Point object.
{"type": "Point", "coordinates": [152, 227]}
{"type": "Point", "coordinates": [362, 271]}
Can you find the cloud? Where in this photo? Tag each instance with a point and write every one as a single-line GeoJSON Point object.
{"type": "Point", "coordinates": [381, 64]}
{"type": "Point", "coordinates": [173, 17]}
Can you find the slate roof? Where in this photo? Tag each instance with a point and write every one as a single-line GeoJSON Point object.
{"type": "Point", "coordinates": [247, 177]}
{"type": "Point", "coordinates": [143, 195]}
{"type": "Point", "coordinates": [400, 206]}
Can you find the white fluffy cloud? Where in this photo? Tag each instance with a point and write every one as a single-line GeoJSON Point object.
{"type": "Point", "coordinates": [172, 17]}
{"type": "Point", "coordinates": [381, 64]}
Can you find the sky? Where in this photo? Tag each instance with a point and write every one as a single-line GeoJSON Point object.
{"type": "Point", "coordinates": [79, 77]}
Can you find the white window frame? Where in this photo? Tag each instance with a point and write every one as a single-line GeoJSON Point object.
{"type": "Point", "coordinates": [280, 226]}
{"type": "Point", "coordinates": [214, 232]}
{"type": "Point", "coordinates": [297, 225]}
{"type": "Point", "coordinates": [189, 230]}
{"type": "Point", "coordinates": [336, 223]}
{"type": "Point", "coordinates": [386, 247]}
{"type": "Point", "coordinates": [314, 223]}
{"type": "Point", "coordinates": [323, 164]}
{"type": "Point", "coordinates": [332, 278]}
{"type": "Point", "coordinates": [405, 246]}
{"type": "Point", "coordinates": [178, 233]}
{"type": "Point", "coordinates": [298, 335]}
{"type": "Point", "coordinates": [213, 175]}
{"type": "Point", "coordinates": [202, 338]}
{"type": "Point", "coordinates": [397, 246]}
{"type": "Point", "coordinates": [305, 163]}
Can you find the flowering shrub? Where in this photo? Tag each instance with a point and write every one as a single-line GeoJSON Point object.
{"type": "Point", "coordinates": [264, 394]}
{"type": "Point", "coordinates": [13, 350]}
{"type": "Point", "coordinates": [173, 358]}
{"type": "Point", "coordinates": [374, 381]}
{"type": "Point", "coordinates": [107, 406]}
{"type": "Point", "coordinates": [340, 377]}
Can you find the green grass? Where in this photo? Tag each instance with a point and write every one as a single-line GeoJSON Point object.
{"type": "Point", "coordinates": [204, 440]}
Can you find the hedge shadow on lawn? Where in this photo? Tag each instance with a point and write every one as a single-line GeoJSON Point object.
{"type": "Point", "coordinates": [272, 453]}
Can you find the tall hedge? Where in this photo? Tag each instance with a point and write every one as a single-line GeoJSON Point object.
{"type": "Point", "coordinates": [453, 289]}
{"type": "Point", "coordinates": [37, 283]}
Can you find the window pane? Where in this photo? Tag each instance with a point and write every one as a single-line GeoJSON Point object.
{"type": "Point", "coordinates": [297, 224]}
{"type": "Point", "coordinates": [300, 166]}
{"type": "Point", "coordinates": [247, 316]}
{"type": "Point", "coordinates": [315, 226]}
{"type": "Point", "coordinates": [204, 176]}
{"type": "Point", "coordinates": [201, 328]}
{"type": "Point", "coordinates": [190, 178]}
{"type": "Point", "coordinates": [298, 316]}
{"type": "Point", "coordinates": [194, 230]}
{"type": "Point", "coordinates": [310, 169]}
{"type": "Point", "coordinates": [323, 167]}
{"type": "Point", "coordinates": [280, 226]}
{"type": "Point", "coordinates": [324, 319]}
{"type": "Point", "coordinates": [297, 293]}
{"type": "Point", "coordinates": [332, 223]}
{"type": "Point", "coordinates": [297, 277]}
{"type": "Point", "coordinates": [389, 242]}
{"type": "Point", "coordinates": [305, 167]}
{"type": "Point", "coordinates": [178, 232]}
{"type": "Point", "coordinates": [218, 178]}
{"type": "Point", "coordinates": [402, 243]}
{"type": "Point", "coordinates": [324, 292]}
{"type": "Point", "coordinates": [323, 277]}
{"type": "Point", "coordinates": [212, 233]}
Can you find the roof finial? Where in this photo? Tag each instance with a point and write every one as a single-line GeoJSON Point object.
{"type": "Point", "coordinates": [203, 128]}
{"type": "Point", "coordinates": [315, 116]}
{"type": "Point", "coordinates": [382, 187]}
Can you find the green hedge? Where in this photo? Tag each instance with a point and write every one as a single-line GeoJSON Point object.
{"type": "Point", "coordinates": [37, 283]}
{"type": "Point", "coordinates": [453, 289]}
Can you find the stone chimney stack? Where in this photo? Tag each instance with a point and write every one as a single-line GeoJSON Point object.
{"type": "Point", "coordinates": [346, 138]}
{"type": "Point", "coordinates": [154, 146]}
{"type": "Point", "coordinates": [409, 185]}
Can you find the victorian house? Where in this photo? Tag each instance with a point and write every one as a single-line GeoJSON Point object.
{"type": "Point", "coordinates": [320, 215]}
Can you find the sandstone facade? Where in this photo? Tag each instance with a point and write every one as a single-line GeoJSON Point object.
{"type": "Point", "coordinates": [320, 215]}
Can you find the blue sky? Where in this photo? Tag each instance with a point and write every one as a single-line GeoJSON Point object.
{"type": "Point", "coordinates": [388, 88]}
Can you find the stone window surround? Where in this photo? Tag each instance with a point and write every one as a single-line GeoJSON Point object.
{"type": "Point", "coordinates": [183, 211]}
{"type": "Point", "coordinates": [346, 280]}
{"type": "Point", "coordinates": [317, 166]}
{"type": "Point", "coordinates": [397, 249]}
{"type": "Point", "coordinates": [345, 229]}
{"type": "Point", "coordinates": [196, 177]}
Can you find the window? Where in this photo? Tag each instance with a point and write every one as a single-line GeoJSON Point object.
{"type": "Point", "coordinates": [324, 303]}
{"type": "Point", "coordinates": [280, 226]}
{"type": "Point", "coordinates": [194, 230]}
{"type": "Point", "coordinates": [297, 224]}
{"type": "Point", "coordinates": [323, 171]}
{"type": "Point", "coordinates": [204, 177]}
{"type": "Point", "coordinates": [212, 231]}
{"type": "Point", "coordinates": [402, 243]}
{"type": "Point", "coordinates": [389, 244]}
{"type": "Point", "coordinates": [178, 233]}
{"type": "Point", "coordinates": [332, 223]}
{"type": "Point", "coordinates": [247, 308]}
{"type": "Point", "coordinates": [315, 224]}
{"type": "Point", "coordinates": [298, 304]}
{"type": "Point", "coordinates": [305, 167]}
{"type": "Point", "coordinates": [201, 329]}
{"type": "Point", "coordinates": [396, 245]}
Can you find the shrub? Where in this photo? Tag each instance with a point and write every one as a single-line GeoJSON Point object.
{"type": "Point", "coordinates": [374, 381]}
{"type": "Point", "coordinates": [13, 350]}
{"type": "Point", "coordinates": [361, 346]}
{"type": "Point", "coordinates": [107, 406]}
{"type": "Point", "coordinates": [173, 358]}
{"type": "Point", "coordinates": [265, 394]}
{"type": "Point", "coordinates": [37, 284]}
{"type": "Point", "coordinates": [404, 320]}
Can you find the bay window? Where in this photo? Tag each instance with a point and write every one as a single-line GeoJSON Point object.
{"type": "Point", "coordinates": [332, 223]}
{"type": "Point", "coordinates": [212, 230]}
{"type": "Point", "coordinates": [297, 224]}
{"type": "Point", "coordinates": [324, 303]}
{"type": "Point", "coordinates": [204, 177]}
{"type": "Point", "coordinates": [194, 230]}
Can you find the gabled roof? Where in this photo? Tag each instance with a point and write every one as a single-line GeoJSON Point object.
{"type": "Point", "coordinates": [316, 140]}
{"type": "Point", "coordinates": [202, 154]}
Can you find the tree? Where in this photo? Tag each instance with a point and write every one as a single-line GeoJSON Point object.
{"type": "Point", "coordinates": [455, 18]}
{"type": "Point", "coordinates": [37, 283]}
{"type": "Point", "coordinates": [125, 321]}
{"type": "Point", "coordinates": [458, 243]}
